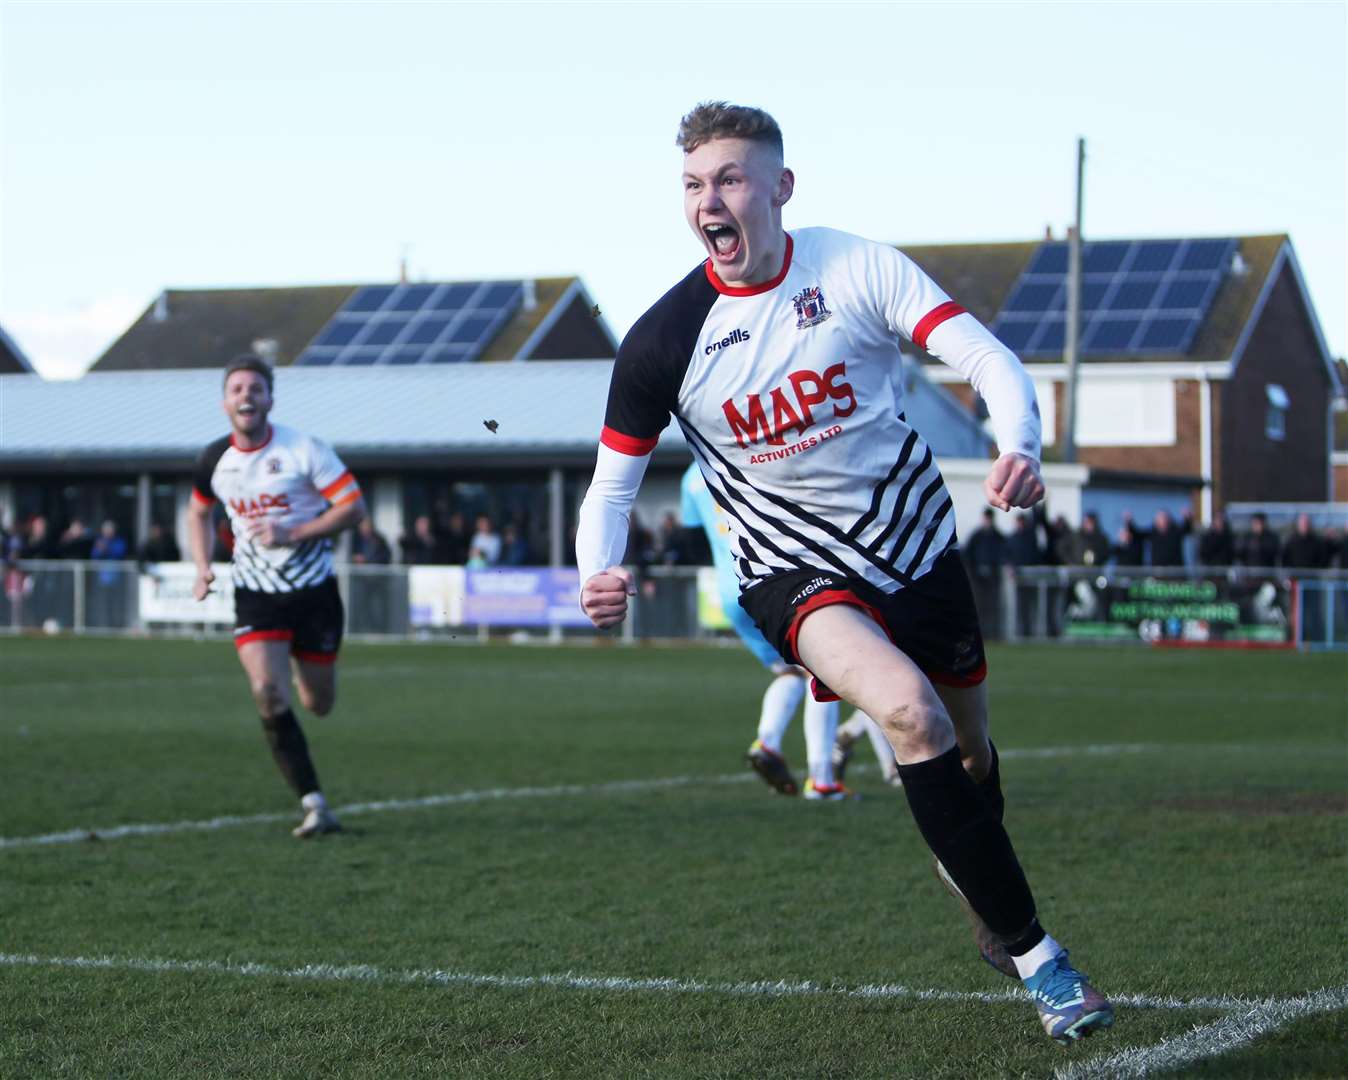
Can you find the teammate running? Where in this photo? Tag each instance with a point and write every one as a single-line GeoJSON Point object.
{"type": "Point", "coordinates": [784, 693]}
{"type": "Point", "coordinates": [287, 494]}
{"type": "Point", "coordinates": [779, 356]}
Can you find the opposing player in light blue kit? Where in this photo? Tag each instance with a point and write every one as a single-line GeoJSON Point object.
{"type": "Point", "coordinates": [783, 695]}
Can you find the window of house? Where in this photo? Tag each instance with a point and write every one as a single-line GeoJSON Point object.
{"type": "Point", "coordinates": [1125, 412]}
{"type": "Point", "coordinates": [1275, 418]}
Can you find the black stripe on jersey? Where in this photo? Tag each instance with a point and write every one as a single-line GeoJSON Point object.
{"type": "Point", "coordinates": [204, 471]}
{"type": "Point", "coordinates": [870, 515]}
{"type": "Point", "coordinates": [724, 501]}
{"type": "Point", "coordinates": [927, 492]}
{"type": "Point", "coordinates": [305, 558]}
{"type": "Point", "coordinates": [929, 535]}
{"type": "Point", "coordinates": [901, 501]}
{"type": "Point", "coordinates": [805, 517]}
{"type": "Point", "coordinates": [262, 571]}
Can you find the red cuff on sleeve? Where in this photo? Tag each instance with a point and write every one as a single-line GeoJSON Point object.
{"type": "Point", "coordinates": [932, 319]}
{"type": "Point", "coordinates": [198, 497]}
{"type": "Point", "coordinates": [627, 444]}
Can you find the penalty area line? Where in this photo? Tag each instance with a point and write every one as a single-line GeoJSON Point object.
{"type": "Point", "coordinates": [781, 988]}
{"type": "Point", "coordinates": [384, 806]}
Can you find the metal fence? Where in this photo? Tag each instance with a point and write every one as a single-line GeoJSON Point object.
{"type": "Point", "coordinates": [1304, 609]}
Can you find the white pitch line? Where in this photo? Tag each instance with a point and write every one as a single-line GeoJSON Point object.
{"type": "Point", "coordinates": [612, 787]}
{"type": "Point", "coordinates": [1208, 1040]}
{"type": "Point", "coordinates": [369, 973]}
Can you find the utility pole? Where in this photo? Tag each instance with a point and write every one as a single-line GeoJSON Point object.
{"type": "Point", "coordinates": [1072, 338]}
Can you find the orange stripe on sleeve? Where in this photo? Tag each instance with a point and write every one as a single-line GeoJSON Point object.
{"type": "Point", "coordinates": [337, 485]}
{"type": "Point", "coordinates": [348, 498]}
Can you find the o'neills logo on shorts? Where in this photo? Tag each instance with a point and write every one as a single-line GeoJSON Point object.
{"type": "Point", "coordinates": [812, 587]}
{"type": "Point", "coordinates": [725, 343]}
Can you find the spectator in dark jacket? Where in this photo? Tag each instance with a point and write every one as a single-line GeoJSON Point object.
{"type": "Point", "coordinates": [985, 555]}
{"type": "Point", "coordinates": [159, 546]}
{"type": "Point", "coordinates": [1216, 547]}
{"type": "Point", "coordinates": [1305, 549]}
{"type": "Point", "coordinates": [1086, 546]}
{"type": "Point", "coordinates": [1165, 539]}
{"type": "Point", "coordinates": [368, 546]}
{"type": "Point", "coordinates": [1128, 548]}
{"type": "Point", "coordinates": [423, 547]}
{"type": "Point", "coordinates": [1259, 546]}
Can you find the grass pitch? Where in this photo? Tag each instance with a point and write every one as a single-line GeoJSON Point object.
{"type": "Point", "coordinates": [605, 891]}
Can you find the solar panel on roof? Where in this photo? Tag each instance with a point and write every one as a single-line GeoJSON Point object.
{"type": "Point", "coordinates": [1102, 258]}
{"type": "Point", "coordinates": [1154, 256]}
{"type": "Point", "coordinates": [1136, 296]}
{"type": "Point", "coordinates": [416, 324]}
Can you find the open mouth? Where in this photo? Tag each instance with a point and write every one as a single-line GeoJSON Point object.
{"type": "Point", "coordinates": [724, 241]}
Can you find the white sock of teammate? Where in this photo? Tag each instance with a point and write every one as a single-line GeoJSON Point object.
{"type": "Point", "coordinates": [821, 725]}
{"type": "Point", "coordinates": [884, 753]}
{"type": "Point", "coordinates": [779, 705]}
{"type": "Point", "coordinates": [855, 727]}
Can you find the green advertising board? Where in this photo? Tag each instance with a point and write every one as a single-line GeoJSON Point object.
{"type": "Point", "coordinates": [1192, 611]}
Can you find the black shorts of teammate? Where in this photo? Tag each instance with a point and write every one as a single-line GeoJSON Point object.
{"type": "Point", "coordinates": [310, 619]}
{"type": "Point", "coordinates": [933, 621]}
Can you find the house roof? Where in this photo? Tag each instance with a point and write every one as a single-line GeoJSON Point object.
{"type": "Point", "coordinates": [980, 277]}
{"type": "Point", "coordinates": [203, 328]}
{"type": "Point", "coordinates": [546, 413]}
{"type": "Point", "coordinates": [12, 359]}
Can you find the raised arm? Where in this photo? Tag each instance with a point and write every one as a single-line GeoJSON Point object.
{"type": "Point", "coordinates": [601, 535]}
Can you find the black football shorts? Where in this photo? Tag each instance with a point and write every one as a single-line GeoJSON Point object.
{"type": "Point", "coordinates": [933, 621]}
{"type": "Point", "coordinates": [310, 619]}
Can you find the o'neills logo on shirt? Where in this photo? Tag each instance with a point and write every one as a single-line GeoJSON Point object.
{"type": "Point", "coordinates": [726, 342]}
{"type": "Point", "coordinates": [794, 407]}
{"type": "Point", "coordinates": [260, 505]}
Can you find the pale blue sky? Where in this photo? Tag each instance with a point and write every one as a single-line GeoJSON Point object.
{"type": "Point", "coordinates": [192, 144]}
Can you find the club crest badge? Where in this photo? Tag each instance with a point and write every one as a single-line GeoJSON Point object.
{"type": "Point", "coordinates": [810, 307]}
{"type": "Point", "coordinates": [273, 465]}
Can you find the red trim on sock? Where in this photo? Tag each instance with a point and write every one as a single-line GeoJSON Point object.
{"type": "Point", "coordinates": [314, 657]}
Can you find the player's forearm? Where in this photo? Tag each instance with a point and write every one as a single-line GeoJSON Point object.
{"type": "Point", "coordinates": [601, 529]}
{"type": "Point", "coordinates": [1000, 379]}
{"type": "Point", "coordinates": [330, 522]}
{"type": "Point", "coordinates": [199, 538]}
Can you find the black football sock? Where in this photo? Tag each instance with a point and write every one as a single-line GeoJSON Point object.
{"type": "Point", "coordinates": [954, 817]}
{"type": "Point", "coordinates": [290, 752]}
{"type": "Point", "coordinates": [991, 786]}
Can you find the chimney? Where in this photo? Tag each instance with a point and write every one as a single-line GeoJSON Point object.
{"type": "Point", "coordinates": [268, 348]}
{"type": "Point", "coordinates": [530, 294]}
{"type": "Point", "coordinates": [161, 308]}
{"type": "Point", "coordinates": [1048, 234]}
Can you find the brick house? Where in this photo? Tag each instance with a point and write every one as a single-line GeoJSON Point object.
{"type": "Point", "coordinates": [1203, 371]}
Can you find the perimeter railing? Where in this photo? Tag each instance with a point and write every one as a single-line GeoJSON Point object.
{"type": "Point", "coordinates": [1239, 606]}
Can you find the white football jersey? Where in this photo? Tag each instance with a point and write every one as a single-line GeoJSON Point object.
{"type": "Point", "coordinates": [790, 395]}
{"type": "Point", "coordinates": [292, 478]}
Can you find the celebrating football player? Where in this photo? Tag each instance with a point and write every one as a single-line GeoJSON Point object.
{"type": "Point", "coordinates": [287, 495]}
{"type": "Point", "coordinates": [779, 356]}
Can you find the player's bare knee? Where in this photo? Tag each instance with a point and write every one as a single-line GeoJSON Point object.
{"type": "Point", "coordinates": [269, 696]}
{"type": "Point", "coordinates": [912, 724]}
{"type": "Point", "coordinates": [318, 702]}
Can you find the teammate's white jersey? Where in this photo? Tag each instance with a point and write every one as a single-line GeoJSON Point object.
{"type": "Point", "coordinates": [291, 478]}
{"type": "Point", "coordinates": [790, 395]}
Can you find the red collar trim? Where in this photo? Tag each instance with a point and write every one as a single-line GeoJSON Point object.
{"type": "Point", "coordinates": [751, 290]}
{"type": "Point", "coordinates": [261, 446]}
